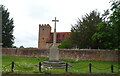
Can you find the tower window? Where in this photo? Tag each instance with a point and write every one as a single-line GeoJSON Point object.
{"type": "Point", "coordinates": [63, 35]}
{"type": "Point", "coordinates": [43, 38]}
{"type": "Point", "coordinates": [57, 35]}
{"type": "Point", "coordinates": [43, 29]}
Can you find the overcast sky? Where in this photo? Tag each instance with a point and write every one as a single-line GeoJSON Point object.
{"type": "Point", "coordinates": [28, 14]}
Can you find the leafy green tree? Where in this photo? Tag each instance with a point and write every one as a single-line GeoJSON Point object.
{"type": "Point", "coordinates": [115, 23]}
{"type": "Point", "coordinates": [7, 28]}
{"type": "Point", "coordinates": [65, 44]}
{"type": "Point", "coordinates": [14, 46]}
{"type": "Point", "coordinates": [108, 32]}
{"type": "Point", "coordinates": [81, 33]}
{"type": "Point", "coordinates": [102, 37]}
{"type": "Point", "coordinates": [21, 46]}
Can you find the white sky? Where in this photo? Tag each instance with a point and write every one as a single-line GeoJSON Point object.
{"type": "Point", "coordinates": [28, 14]}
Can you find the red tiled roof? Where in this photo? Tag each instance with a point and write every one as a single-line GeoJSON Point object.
{"type": "Point", "coordinates": [60, 36]}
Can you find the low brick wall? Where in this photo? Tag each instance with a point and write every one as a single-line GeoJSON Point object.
{"type": "Point", "coordinates": [89, 54]}
{"type": "Point", "coordinates": [76, 54]}
{"type": "Point", "coordinates": [24, 52]}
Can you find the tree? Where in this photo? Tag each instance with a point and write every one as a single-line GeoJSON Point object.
{"type": "Point", "coordinates": [103, 36]}
{"type": "Point", "coordinates": [115, 23]}
{"type": "Point", "coordinates": [65, 44]}
{"type": "Point", "coordinates": [21, 47]}
{"type": "Point", "coordinates": [108, 33]}
{"type": "Point", "coordinates": [7, 28]}
{"type": "Point", "coordinates": [81, 33]}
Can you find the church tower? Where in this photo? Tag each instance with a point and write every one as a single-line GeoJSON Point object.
{"type": "Point", "coordinates": [44, 34]}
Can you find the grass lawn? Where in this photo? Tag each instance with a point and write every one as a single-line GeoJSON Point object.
{"type": "Point", "coordinates": [27, 65]}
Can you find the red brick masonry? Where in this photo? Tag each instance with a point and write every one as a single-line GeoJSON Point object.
{"type": "Point", "coordinates": [45, 36]}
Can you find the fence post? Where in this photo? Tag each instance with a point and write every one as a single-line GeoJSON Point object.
{"type": "Point", "coordinates": [12, 68]}
{"type": "Point", "coordinates": [112, 70]}
{"type": "Point", "coordinates": [40, 67]}
{"type": "Point", "coordinates": [66, 67]}
{"type": "Point", "coordinates": [90, 69]}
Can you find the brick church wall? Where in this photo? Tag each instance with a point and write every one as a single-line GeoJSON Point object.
{"type": "Point", "coordinates": [45, 36]}
{"type": "Point", "coordinates": [75, 54]}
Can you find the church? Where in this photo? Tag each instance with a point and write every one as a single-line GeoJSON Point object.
{"type": "Point", "coordinates": [45, 36]}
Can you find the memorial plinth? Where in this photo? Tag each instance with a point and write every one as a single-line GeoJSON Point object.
{"type": "Point", "coordinates": [54, 54]}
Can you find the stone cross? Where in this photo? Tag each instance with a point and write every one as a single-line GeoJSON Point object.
{"type": "Point", "coordinates": [54, 38]}
{"type": "Point", "coordinates": [54, 51]}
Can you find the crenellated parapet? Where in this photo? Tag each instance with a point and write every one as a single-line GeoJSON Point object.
{"type": "Point", "coordinates": [44, 25]}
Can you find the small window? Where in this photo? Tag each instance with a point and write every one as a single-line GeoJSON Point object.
{"type": "Point", "coordinates": [43, 29]}
{"type": "Point", "coordinates": [43, 38]}
{"type": "Point", "coordinates": [57, 35]}
{"type": "Point", "coordinates": [63, 35]}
